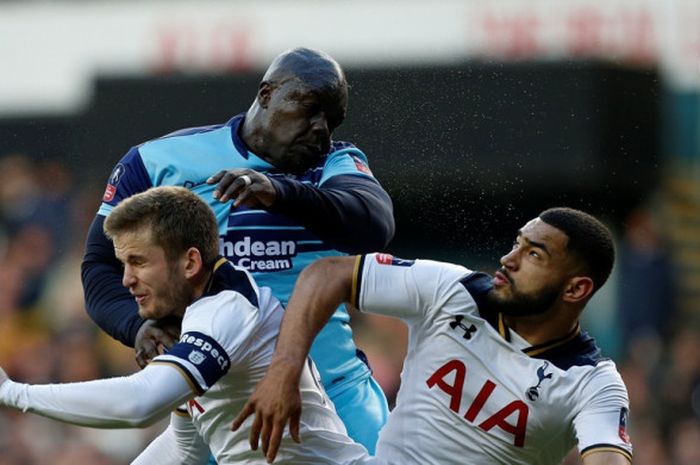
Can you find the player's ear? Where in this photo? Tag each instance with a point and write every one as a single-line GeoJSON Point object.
{"type": "Point", "coordinates": [264, 94]}
{"type": "Point", "coordinates": [578, 289]}
{"type": "Point", "coordinates": [192, 262]}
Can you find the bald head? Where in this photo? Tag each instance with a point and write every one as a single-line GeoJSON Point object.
{"type": "Point", "coordinates": [312, 68]}
{"type": "Point", "coordinates": [301, 100]}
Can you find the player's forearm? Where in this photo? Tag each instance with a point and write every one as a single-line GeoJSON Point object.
{"type": "Point", "coordinates": [126, 402]}
{"type": "Point", "coordinates": [321, 287]}
{"type": "Point", "coordinates": [107, 301]}
{"type": "Point", "coordinates": [352, 213]}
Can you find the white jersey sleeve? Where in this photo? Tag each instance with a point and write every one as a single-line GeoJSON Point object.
{"type": "Point", "coordinates": [601, 423]}
{"type": "Point", "coordinates": [407, 289]}
{"type": "Point", "coordinates": [179, 444]}
{"type": "Point", "coordinates": [216, 331]}
{"type": "Point", "coordinates": [125, 402]}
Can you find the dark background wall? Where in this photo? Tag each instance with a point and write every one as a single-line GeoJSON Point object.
{"type": "Point", "coordinates": [468, 152]}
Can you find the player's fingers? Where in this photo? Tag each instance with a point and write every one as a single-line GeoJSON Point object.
{"type": "Point", "coordinates": [255, 431]}
{"type": "Point", "coordinates": [238, 186]}
{"type": "Point", "coordinates": [242, 415]}
{"type": "Point", "coordinates": [274, 442]}
{"type": "Point", "coordinates": [294, 421]}
{"type": "Point", "coordinates": [245, 197]}
{"type": "Point", "coordinates": [265, 434]}
{"type": "Point", "coordinates": [224, 184]}
{"type": "Point", "coordinates": [216, 177]}
{"type": "Point", "coordinates": [145, 354]}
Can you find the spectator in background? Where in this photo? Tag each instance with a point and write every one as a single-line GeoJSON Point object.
{"type": "Point", "coordinates": [646, 285]}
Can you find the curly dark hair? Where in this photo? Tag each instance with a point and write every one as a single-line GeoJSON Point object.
{"type": "Point", "coordinates": [589, 240]}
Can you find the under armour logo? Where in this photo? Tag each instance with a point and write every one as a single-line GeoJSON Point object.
{"type": "Point", "coordinates": [468, 330]}
{"type": "Point", "coordinates": [533, 391]}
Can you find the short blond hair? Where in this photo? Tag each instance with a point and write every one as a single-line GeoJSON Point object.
{"type": "Point", "coordinates": [176, 218]}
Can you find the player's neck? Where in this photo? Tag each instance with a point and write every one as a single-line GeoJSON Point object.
{"type": "Point", "coordinates": [542, 328]}
{"type": "Point", "coordinates": [201, 283]}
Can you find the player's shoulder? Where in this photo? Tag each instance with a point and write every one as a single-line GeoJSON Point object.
{"type": "Point", "coordinates": [180, 134]}
{"type": "Point", "coordinates": [576, 350]}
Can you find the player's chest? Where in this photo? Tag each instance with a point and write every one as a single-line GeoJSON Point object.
{"type": "Point", "coordinates": [474, 377]}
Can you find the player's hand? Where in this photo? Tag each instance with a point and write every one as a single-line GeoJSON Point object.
{"type": "Point", "coordinates": [275, 400]}
{"type": "Point", "coordinates": [154, 338]}
{"type": "Point", "coordinates": [247, 187]}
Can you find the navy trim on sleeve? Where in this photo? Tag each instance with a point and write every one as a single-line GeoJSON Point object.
{"type": "Point", "coordinates": [128, 177]}
{"type": "Point", "coordinates": [351, 213]}
{"type": "Point", "coordinates": [107, 301]}
{"type": "Point", "coordinates": [205, 353]}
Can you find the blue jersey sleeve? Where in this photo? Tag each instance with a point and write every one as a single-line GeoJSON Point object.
{"type": "Point", "coordinates": [350, 212]}
{"type": "Point", "coordinates": [128, 177]}
{"type": "Point", "coordinates": [107, 301]}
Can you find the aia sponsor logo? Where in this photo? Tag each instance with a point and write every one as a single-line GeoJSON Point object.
{"type": "Point", "coordinates": [481, 410]}
{"type": "Point", "coordinates": [387, 259]}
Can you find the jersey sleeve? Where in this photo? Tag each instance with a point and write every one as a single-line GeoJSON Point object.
{"type": "Point", "coordinates": [215, 332]}
{"type": "Point", "coordinates": [128, 177]}
{"type": "Point", "coordinates": [179, 444]}
{"type": "Point", "coordinates": [602, 422]}
{"type": "Point", "coordinates": [407, 289]}
{"type": "Point", "coordinates": [347, 159]}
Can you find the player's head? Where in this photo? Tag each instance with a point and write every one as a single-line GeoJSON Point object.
{"type": "Point", "coordinates": [167, 239]}
{"type": "Point", "coordinates": [562, 256]}
{"type": "Point", "coordinates": [302, 99]}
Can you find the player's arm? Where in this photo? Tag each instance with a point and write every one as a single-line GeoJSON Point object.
{"type": "Point", "coordinates": [179, 444]}
{"type": "Point", "coordinates": [606, 458]}
{"type": "Point", "coordinates": [349, 211]}
{"type": "Point", "coordinates": [133, 401]}
{"type": "Point", "coordinates": [321, 287]}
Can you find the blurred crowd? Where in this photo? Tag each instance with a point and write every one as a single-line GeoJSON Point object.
{"type": "Point", "coordinates": [46, 336]}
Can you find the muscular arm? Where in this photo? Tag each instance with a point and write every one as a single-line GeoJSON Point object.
{"type": "Point", "coordinates": [132, 401]}
{"type": "Point", "coordinates": [108, 302]}
{"type": "Point", "coordinates": [605, 458]}
{"type": "Point", "coordinates": [353, 213]}
{"type": "Point", "coordinates": [321, 287]}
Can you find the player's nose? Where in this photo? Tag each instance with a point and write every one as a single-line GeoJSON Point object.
{"type": "Point", "coordinates": [129, 278]}
{"type": "Point", "coordinates": [510, 260]}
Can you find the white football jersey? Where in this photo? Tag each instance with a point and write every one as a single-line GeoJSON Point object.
{"type": "Point", "coordinates": [228, 337]}
{"type": "Point", "coordinates": [472, 390]}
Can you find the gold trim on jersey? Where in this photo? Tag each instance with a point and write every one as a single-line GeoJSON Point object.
{"type": "Point", "coordinates": [181, 413]}
{"type": "Point", "coordinates": [539, 348]}
{"type": "Point", "coordinates": [193, 386]}
{"type": "Point", "coordinates": [503, 330]}
{"type": "Point", "coordinates": [535, 350]}
{"type": "Point", "coordinates": [219, 262]}
{"type": "Point", "coordinates": [594, 449]}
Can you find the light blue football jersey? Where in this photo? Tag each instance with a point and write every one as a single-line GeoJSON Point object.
{"type": "Point", "coordinates": [274, 248]}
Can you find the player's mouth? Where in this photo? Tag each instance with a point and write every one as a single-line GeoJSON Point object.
{"type": "Point", "coordinates": [500, 279]}
{"type": "Point", "coordinates": [140, 298]}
